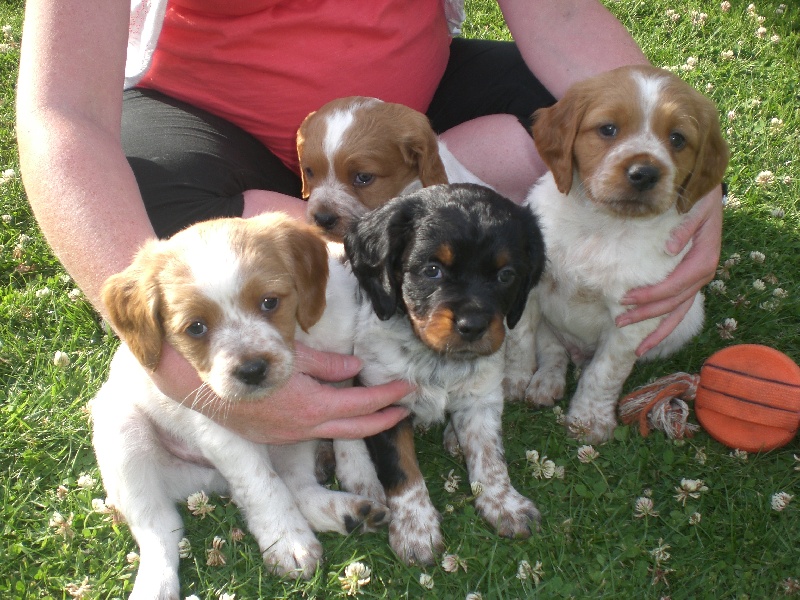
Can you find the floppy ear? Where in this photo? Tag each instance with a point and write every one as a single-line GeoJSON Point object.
{"type": "Point", "coordinates": [554, 130]}
{"type": "Point", "coordinates": [132, 299]}
{"type": "Point", "coordinates": [535, 255]}
{"type": "Point", "coordinates": [307, 255]}
{"type": "Point", "coordinates": [711, 162]}
{"type": "Point", "coordinates": [420, 147]}
{"type": "Point", "coordinates": [375, 245]}
{"type": "Point", "coordinates": [301, 140]}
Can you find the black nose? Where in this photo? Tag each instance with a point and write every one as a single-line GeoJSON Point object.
{"type": "Point", "coordinates": [472, 327]}
{"type": "Point", "coordinates": [643, 177]}
{"type": "Point", "coordinates": [252, 372]}
{"type": "Point", "coordinates": [326, 220]}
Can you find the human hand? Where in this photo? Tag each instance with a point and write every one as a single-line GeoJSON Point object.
{"type": "Point", "coordinates": [304, 408]}
{"type": "Point", "coordinates": [674, 296]}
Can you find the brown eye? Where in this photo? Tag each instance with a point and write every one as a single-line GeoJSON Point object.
{"type": "Point", "coordinates": [363, 179]}
{"type": "Point", "coordinates": [677, 140]}
{"type": "Point", "coordinates": [609, 130]}
{"type": "Point", "coordinates": [269, 304]}
{"type": "Point", "coordinates": [432, 271]}
{"type": "Point", "coordinates": [309, 172]}
{"type": "Point", "coordinates": [197, 329]}
{"type": "Point", "coordinates": [506, 276]}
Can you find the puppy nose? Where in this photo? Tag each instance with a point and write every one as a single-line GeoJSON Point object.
{"type": "Point", "coordinates": [252, 372]}
{"type": "Point", "coordinates": [472, 327]}
{"type": "Point", "coordinates": [643, 177]}
{"type": "Point", "coordinates": [326, 220]}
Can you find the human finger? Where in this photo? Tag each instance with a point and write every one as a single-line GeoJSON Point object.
{"type": "Point", "coordinates": [664, 328]}
{"type": "Point", "coordinates": [325, 366]}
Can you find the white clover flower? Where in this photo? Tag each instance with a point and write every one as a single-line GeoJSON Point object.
{"type": "Point", "coordinates": [23, 240]}
{"type": "Point", "coordinates": [778, 213]}
{"type": "Point", "coordinates": [75, 294]}
{"type": "Point", "coordinates": [673, 15]}
{"type": "Point", "coordinates": [214, 555]}
{"type": "Point", "coordinates": [780, 293]}
{"type": "Point", "coordinates": [759, 285]}
{"type": "Point", "coordinates": [192, 597]}
{"type": "Point", "coordinates": [761, 33]}
{"type": "Point", "coordinates": [227, 596]}
{"type": "Point", "coordinates": [644, 508]}
{"type": "Point", "coordinates": [43, 292]}
{"type": "Point", "coordinates": [717, 286]}
{"type": "Point", "coordinates": [757, 257]}
{"type": "Point", "coordinates": [694, 518]}
{"type": "Point", "coordinates": [740, 455]}
{"type": "Point", "coordinates": [7, 219]}
{"type": "Point", "coordinates": [452, 482]}
{"type": "Point", "coordinates": [86, 481]}
{"type": "Point", "coordinates": [185, 548]}
{"type": "Point", "coordinates": [426, 581]}
{"type": "Point", "coordinates": [474, 596]}
{"type": "Point", "coordinates": [79, 590]}
{"type": "Point", "coordinates": [61, 359]}
{"type": "Point", "coordinates": [690, 488]}
{"type": "Point", "coordinates": [476, 487]}
{"type": "Point", "coordinates": [659, 553]}
{"type": "Point", "coordinates": [691, 64]}
{"type": "Point", "coordinates": [132, 558]}
{"type": "Point", "coordinates": [698, 18]}
{"type": "Point", "coordinates": [726, 328]}
{"type": "Point", "coordinates": [237, 535]}
{"type": "Point", "coordinates": [587, 454]}
{"type": "Point", "coordinates": [527, 572]}
{"type": "Point", "coordinates": [728, 55]}
{"type": "Point", "coordinates": [787, 179]}
{"type": "Point", "coordinates": [776, 123]}
{"type": "Point", "coordinates": [769, 305]}
{"type": "Point", "coordinates": [796, 460]}
{"type": "Point", "coordinates": [7, 176]}
{"type": "Point", "coordinates": [561, 418]}
{"type": "Point", "coordinates": [7, 30]}
{"type": "Point", "coordinates": [63, 526]}
{"type": "Point", "coordinates": [452, 563]}
{"type": "Point", "coordinates": [751, 9]}
{"type": "Point", "coordinates": [725, 6]}
{"type": "Point", "coordinates": [700, 456]}
{"type": "Point", "coordinates": [765, 178]}
{"type": "Point", "coordinates": [199, 505]}
{"type": "Point", "coordinates": [780, 500]}
{"type": "Point", "coordinates": [781, 9]}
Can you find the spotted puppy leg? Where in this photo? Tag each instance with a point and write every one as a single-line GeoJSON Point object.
{"type": "Point", "coordinates": [356, 471]}
{"type": "Point", "coordinates": [324, 509]}
{"type": "Point", "coordinates": [414, 531]}
{"type": "Point", "coordinates": [549, 381]}
{"type": "Point", "coordinates": [503, 507]}
{"type": "Point", "coordinates": [520, 352]}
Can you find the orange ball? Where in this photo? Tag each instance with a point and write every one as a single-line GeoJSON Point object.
{"type": "Point", "coordinates": [749, 397]}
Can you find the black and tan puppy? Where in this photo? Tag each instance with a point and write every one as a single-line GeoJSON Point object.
{"type": "Point", "coordinates": [445, 271]}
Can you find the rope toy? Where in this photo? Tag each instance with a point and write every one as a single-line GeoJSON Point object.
{"type": "Point", "coordinates": [746, 397]}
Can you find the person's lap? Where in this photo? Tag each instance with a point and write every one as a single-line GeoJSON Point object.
{"type": "Point", "coordinates": [192, 166]}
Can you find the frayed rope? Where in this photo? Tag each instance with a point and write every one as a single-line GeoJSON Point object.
{"type": "Point", "coordinates": [662, 405]}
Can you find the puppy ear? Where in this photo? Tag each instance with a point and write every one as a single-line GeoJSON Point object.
{"type": "Point", "coordinates": [132, 300]}
{"type": "Point", "coordinates": [535, 255]}
{"type": "Point", "coordinates": [420, 147]}
{"type": "Point", "coordinates": [711, 162]}
{"type": "Point", "coordinates": [375, 245]}
{"type": "Point", "coordinates": [308, 257]}
{"type": "Point", "coordinates": [301, 140]}
{"type": "Point", "coordinates": [554, 130]}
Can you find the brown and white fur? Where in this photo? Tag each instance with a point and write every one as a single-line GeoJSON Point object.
{"type": "Point", "coordinates": [231, 295]}
{"type": "Point", "coordinates": [357, 153]}
{"type": "Point", "coordinates": [629, 152]}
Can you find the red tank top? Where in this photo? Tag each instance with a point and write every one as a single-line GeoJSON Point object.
{"type": "Point", "coordinates": [265, 64]}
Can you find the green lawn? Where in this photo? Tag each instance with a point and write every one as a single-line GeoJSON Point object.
{"type": "Point", "coordinates": [596, 541]}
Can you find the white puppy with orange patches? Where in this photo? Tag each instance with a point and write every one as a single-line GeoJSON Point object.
{"type": "Point", "coordinates": [629, 152]}
{"type": "Point", "coordinates": [357, 153]}
{"type": "Point", "coordinates": [231, 295]}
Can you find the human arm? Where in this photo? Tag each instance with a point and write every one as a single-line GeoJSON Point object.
{"type": "Point", "coordinates": [88, 205]}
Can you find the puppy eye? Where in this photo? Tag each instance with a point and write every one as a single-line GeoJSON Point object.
{"type": "Point", "coordinates": [309, 172]}
{"type": "Point", "coordinates": [269, 304]}
{"type": "Point", "coordinates": [677, 140]}
{"type": "Point", "coordinates": [506, 275]}
{"type": "Point", "coordinates": [608, 130]}
{"type": "Point", "coordinates": [432, 271]}
{"type": "Point", "coordinates": [197, 329]}
{"type": "Point", "coordinates": [363, 179]}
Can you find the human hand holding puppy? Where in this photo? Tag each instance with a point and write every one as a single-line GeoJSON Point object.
{"type": "Point", "coordinates": [302, 409]}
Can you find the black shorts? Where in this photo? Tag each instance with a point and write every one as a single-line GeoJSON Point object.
{"type": "Point", "coordinates": [193, 166]}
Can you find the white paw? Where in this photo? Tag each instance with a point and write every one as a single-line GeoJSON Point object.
{"type": "Point", "coordinates": [514, 386]}
{"type": "Point", "coordinates": [593, 428]}
{"type": "Point", "coordinates": [294, 554]}
{"type": "Point", "coordinates": [545, 387]}
{"type": "Point", "coordinates": [415, 534]}
{"type": "Point", "coordinates": [509, 512]}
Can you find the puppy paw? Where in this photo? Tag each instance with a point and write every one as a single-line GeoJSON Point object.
{"type": "Point", "coordinates": [591, 428]}
{"type": "Point", "coordinates": [450, 441]}
{"type": "Point", "coordinates": [415, 534]}
{"type": "Point", "coordinates": [295, 554]}
{"type": "Point", "coordinates": [514, 386]}
{"type": "Point", "coordinates": [366, 513]}
{"type": "Point", "coordinates": [545, 388]}
{"type": "Point", "coordinates": [509, 512]}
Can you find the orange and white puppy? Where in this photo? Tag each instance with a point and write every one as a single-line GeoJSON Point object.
{"type": "Point", "coordinates": [630, 152]}
{"type": "Point", "coordinates": [231, 295]}
{"type": "Point", "coordinates": [357, 153]}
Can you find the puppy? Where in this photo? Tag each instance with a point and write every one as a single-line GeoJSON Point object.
{"type": "Point", "coordinates": [357, 153]}
{"type": "Point", "coordinates": [629, 152]}
{"type": "Point", "coordinates": [444, 270]}
{"type": "Point", "coordinates": [230, 295]}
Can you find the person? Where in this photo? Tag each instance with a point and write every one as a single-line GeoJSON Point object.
{"type": "Point", "coordinates": [208, 130]}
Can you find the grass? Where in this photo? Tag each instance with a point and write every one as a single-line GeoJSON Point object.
{"type": "Point", "coordinates": [591, 544]}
